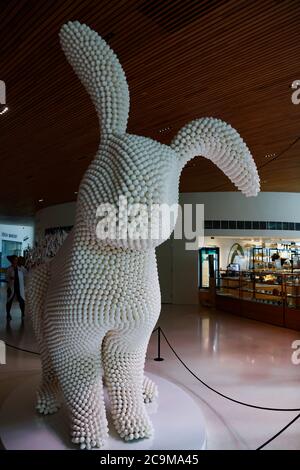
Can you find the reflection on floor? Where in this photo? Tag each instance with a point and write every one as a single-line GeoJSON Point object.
{"type": "Point", "coordinates": [244, 359]}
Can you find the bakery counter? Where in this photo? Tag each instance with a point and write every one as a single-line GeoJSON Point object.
{"type": "Point", "coordinates": [265, 296]}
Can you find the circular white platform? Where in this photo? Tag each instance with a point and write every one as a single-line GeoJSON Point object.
{"type": "Point", "coordinates": [177, 420]}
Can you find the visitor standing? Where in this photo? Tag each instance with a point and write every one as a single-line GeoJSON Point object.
{"type": "Point", "coordinates": [15, 275]}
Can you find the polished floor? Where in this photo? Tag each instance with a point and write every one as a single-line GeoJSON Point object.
{"type": "Point", "coordinates": [244, 359]}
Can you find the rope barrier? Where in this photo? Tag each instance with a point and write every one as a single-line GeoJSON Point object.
{"type": "Point", "coordinates": [159, 358]}
{"type": "Point", "coordinates": [237, 401]}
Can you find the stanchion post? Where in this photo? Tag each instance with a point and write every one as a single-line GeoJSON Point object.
{"type": "Point", "coordinates": [158, 358]}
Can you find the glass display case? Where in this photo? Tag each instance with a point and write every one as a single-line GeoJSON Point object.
{"type": "Point", "coordinates": [263, 295]}
{"type": "Point", "coordinates": [292, 290]}
{"type": "Point", "coordinates": [263, 258]}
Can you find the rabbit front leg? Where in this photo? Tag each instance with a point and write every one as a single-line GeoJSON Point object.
{"type": "Point", "coordinates": [79, 370]}
{"type": "Point", "coordinates": [123, 360]}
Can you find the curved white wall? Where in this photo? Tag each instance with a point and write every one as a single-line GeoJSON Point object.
{"type": "Point", "coordinates": [270, 207]}
{"type": "Point", "coordinates": [60, 215]}
{"type": "Point", "coordinates": [283, 207]}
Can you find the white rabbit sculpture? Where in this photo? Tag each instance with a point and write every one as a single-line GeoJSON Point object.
{"type": "Point", "coordinates": [94, 305]}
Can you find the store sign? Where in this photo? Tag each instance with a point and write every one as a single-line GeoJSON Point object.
{"type": "Point", "coordinates": [8, 235]}
{"type": "Point", "coordinates": [2, 353]}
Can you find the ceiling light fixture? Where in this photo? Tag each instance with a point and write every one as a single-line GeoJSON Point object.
{"type": "Point", "coordinates": [41, 200]}
{"type": "Point", "coordinates": [270, 155]}
{"type": "Point", "coordinates": [4, 110]}
{"type": "Point", "coordinates": [164, 129]}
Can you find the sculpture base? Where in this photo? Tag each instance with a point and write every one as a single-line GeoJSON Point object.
{"type": "Point", "coordinates": [177, 420]}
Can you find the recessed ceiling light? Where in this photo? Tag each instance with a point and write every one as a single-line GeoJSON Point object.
{"type": "Point", "coordinates": [41, 200]}
{"type": "Point", "coordinates": [4, 110]}
{"type": "Point", "coordinates": [270, 155]}
{"type": "Point", "coordinates": [75, 192]}
{"type": "Point", "coordinates": [164, 129]}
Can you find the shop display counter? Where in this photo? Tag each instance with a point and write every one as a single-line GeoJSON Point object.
{"type": "Point", "coordinates": [272, 297]}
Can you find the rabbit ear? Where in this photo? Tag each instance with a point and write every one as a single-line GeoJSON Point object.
{"type": "Point", "coordinates": [220, 143]}
{"type": "Point", "coordinates": [100, 71]}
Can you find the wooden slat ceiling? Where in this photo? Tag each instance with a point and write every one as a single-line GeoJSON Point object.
{"type": "Point", "coordinates": [183, 59]}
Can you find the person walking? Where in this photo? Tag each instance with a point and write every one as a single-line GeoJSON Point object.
{"type": "Point", "coordinates": [15, 275]}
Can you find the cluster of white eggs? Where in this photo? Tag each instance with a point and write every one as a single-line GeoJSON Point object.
{"type": "Point", "coordinates": [81, 382]}
{"type": "Point", "coordinates": [101, 73]}
{"type": "Point", "coordinates": [220, 143]}
{"type": "Point", "coordinates": [91, 293]}
{"type": "Point", "coordinates": [95, 304]}
{"type": "Point", "coordinates": [123, 367]}
{"type": "Point", "coordinates": [48, 393]}
{"type": "Point", "coordinates": [150, 391]}
{"type": "Point", "coordinates": [47, 401]}
{"type": "Point", "coordinates": [142, 173]}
